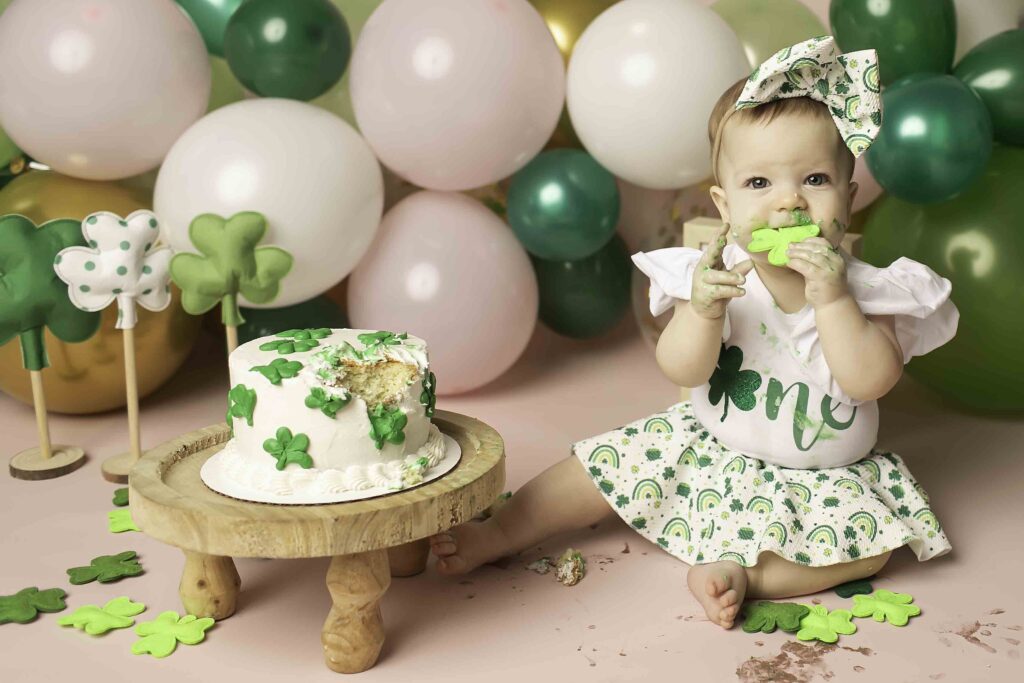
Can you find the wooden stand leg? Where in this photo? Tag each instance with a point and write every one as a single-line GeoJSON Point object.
{"type": "Point", "coordinates": [209, 585]}
{"type": "Point", "coordinates": [354, 632]}
{"type": "Point", "coordinates": [409, 559]}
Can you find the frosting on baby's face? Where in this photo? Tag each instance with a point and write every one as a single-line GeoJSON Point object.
{"type": "Point", "coordinates": [781, 173]}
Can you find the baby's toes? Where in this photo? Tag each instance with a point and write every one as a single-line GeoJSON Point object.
{"type": "Point", "coordinates": [729, 597]}
{"type": "Point", "coordinates": [717, 584]}
{"type": "Point", "coordinates": [443, 544]}
{"type": "Point", "coordinates": [728, 615]}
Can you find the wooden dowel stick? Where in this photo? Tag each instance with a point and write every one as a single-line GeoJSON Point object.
{"type": "Point", "coordinates": [232, 337]}
{"type": "Point", "coordinates": [132, 391]}
{"type": "Point", "coordinates": [39, 400]}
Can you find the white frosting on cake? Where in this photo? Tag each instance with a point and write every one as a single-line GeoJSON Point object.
{"type": "Point", "coordinates": [343, 453]}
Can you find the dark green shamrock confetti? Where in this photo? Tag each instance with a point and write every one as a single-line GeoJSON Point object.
{"type": "Point", "coordinates": [764, 616]}
{"type": "Point", "coordinates": [731, 383]}
{"type": "Point", "coordinates": [429, 396]}
{"type": "Point", "coordinates": [23, 606]}
{"type": "Point", "coordinates": [288, 449]}
{"type": "Point", "coordinates": [241, 403]}
{"type": "Point", "coordinates": [387, 425]}
{"type": "Point", "coordinates": [296, 341]}
{"type": "Point", "coordinates": [857, 587]}
{"type": "Point", "coordinates": [107, 568]}
{"type": "Point", "coordinates": [121, 497]}
{"type": "Point", "coordinates": [327, 404]}
{"type": "Point", "coordinates": [278, 369]}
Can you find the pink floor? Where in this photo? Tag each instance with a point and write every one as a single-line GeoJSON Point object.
{"type": "Point", "coordinates": [631, 618]}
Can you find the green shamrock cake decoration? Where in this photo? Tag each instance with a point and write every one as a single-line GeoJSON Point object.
{"type": "Point", "coordinates": [288, 449]}
{"type": "Point", "coordinates": [777, 240]}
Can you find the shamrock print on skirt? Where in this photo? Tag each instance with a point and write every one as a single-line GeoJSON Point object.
{"type": "Point", "coordinates": [700, 501]}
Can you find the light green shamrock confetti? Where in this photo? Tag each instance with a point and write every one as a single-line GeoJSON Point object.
{"type": "Point", "coordinates": [161, 636]}
{"type": "Point", "coordinates": [883, 605]}
{"type": "Point", "coordinates": [776, 240]}
{"type": "Point", "coordinates": [120, 521]}
{"type": "Point", "coordinates": [820, 624]}
{"type": "Point", "coordinates": [95, 621]}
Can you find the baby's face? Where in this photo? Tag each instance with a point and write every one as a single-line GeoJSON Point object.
{"type": "Point", "coordinates": [772, 173]}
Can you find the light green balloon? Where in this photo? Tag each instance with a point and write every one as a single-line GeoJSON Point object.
{"type": "Point", "coordinates": [337, 100]}
{"type": "Point", "coordinates": [766, 26]}
{"type": "Point", "coordinates": [224, 87]}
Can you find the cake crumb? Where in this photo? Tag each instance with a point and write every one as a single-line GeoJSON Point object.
{"type": "Point", "coordinates": [541, 566]}
{"type": "Point", "coordinates": [625, 551]}
{"type": "Point", "coordinates": [571, 567]}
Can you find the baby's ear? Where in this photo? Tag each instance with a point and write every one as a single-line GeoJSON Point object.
{"type": "Point", "coordinates": [853, 193]}
{"type": "Point", "coordinates": [718, 197]}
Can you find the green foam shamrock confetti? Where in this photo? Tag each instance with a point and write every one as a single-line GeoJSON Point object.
{"type": "Point", "coordinates": [230, 264]}
{"type": "Point", "coordinates": [279, 368]}
{"type": "Point", "coordinates": [764, 616]}
{"type": "Point", "coordinates": [288, 449]}
{"type": "Point", "coordinates": [820, 624]}
{"type": "Point", "coordinates": [883, 605]}
{"type": "Point", "coordinates": [32, 297]}
{"type": "Point", "coordinates": [120, 521]}
{"type": "Point", "coordinates": [296, 341]}
{"type": "Point", "coordinates": [387, 425]}
{"type": "Point", "coordinates": [161, 636]}
{"type": "Point", "coordinates": [851, 588]}
{"type": "Point", "coordinates": [241, 403]}
{"type": "Point", "coordinates": [25, 605]}
{"type": "Point", "coordinates": [777, 240]}
{"type": "Point", "coordinates": [327, 404]}
{"type": "Point", "coordinates": [731, 383]}
{"type": "Point", "coordinates": [121, 497]}
{"type": "Point", "coordinates": [107, 568]}
{"type": "Point", "coordinates": [95, 621]}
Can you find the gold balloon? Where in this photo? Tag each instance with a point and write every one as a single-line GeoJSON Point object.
{"type": "Point", "coordinates": [567, 19]}
{"type": "Point", "coordinates": [89, 377]}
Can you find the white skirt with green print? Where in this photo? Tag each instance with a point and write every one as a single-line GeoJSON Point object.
{"type": "Point", "coordinates": [701, 501]}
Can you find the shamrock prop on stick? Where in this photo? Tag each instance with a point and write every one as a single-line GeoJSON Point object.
{"type": "Point", "coordinates": [31, 298]}
{"type": "Point", "coordinates": [231, 264]}
{"type": "Point", "coordinates": [120, 265]}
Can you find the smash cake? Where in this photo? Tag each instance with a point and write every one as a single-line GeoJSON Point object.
{"type": "Point", "coordinates": [329, 415]}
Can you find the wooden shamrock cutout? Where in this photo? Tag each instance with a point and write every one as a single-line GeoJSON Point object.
{"type": "Point", "coordinates": [107, 568]}
{"type": "Point", "coordinates": [161, 636]}
{"type": "Point", "coordinates": [117, 613]}
{"type": "Point", "coordinates": [25, 605]}
{"type": "Point", "coordinates": [820, 624]}
{"type": "Point", "coordinates": [764, 616]}
{"type": "Point", "coordinates": [288, 449]}
{"type": "Point", "coordinates": [230, 264]}
{"type": "Point", "coordinates": [883, 605]}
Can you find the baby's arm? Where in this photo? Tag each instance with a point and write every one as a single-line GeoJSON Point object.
{"type": "Point", "coordinates": [688, 348]}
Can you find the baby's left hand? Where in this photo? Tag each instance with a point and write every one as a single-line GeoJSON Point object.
{"type": "Point", "coordinates": [823, 268]}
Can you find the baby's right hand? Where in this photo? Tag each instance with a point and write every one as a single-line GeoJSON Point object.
{"type": "Point", "coordinates": [713, 283]}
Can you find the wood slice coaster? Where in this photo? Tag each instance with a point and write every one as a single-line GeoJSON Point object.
{"type": "Point", "coordinates": [171, 503]}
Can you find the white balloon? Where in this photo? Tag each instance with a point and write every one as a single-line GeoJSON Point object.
{"type": "Point", "coordinates": [642, 81]}
{"type": "Point", "coordinates": [307, 171]}
{"type": "Point", "coordinates": [100, 90]}
{"type": "Point", "coordinates": [978, 21]}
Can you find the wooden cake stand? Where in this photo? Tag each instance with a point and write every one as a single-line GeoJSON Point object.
{"type": "Point", "coordinates": [370, 540]}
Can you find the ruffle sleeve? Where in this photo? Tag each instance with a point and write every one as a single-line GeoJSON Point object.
{"type": "Point", "coordinates": [917, 297]}
{"type": "Point", "coordinates": [671, 273]}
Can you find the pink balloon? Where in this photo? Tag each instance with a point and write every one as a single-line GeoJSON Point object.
{"type": "Point", "coordinates": [869, 189]}
{"type": "Point", "coordinates": [453, 94]}
{"type": "Point", "coordinates": [445, 268]}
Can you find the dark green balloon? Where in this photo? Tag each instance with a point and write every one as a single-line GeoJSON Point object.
{"type": "Point", "coordinates": [909, 35]}
{"type": "Point", "coordinates": [977, 241]}
{"type": "Point", "coordinates": [296, 49]}
{"type": "Point", "coordinates": [936, 138]}
{"type": "Point", "coordinates": [563, 205]}
{"type": "Point", "coordinates": [585, 298]}
{"type": "Point", "coordinates": [211, 18]}
{"type": "Point", "coordinates": [317, 312]}
{"type": "Point", "coordinates": [995, 70]}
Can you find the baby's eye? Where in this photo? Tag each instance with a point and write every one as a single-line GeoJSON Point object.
{"type": "Point", "coordinates": [758, 183]}
{"type": "Point", "coordinates": [817, 179]}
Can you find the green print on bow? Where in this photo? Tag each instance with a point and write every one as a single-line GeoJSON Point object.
{"type": "Point", "coordinates": [278, 369]}
{"type": "Point", "coordinates": [32, 297]}
{"type": "Point", "coordinates": [161, 636]}
{"type": "Point", "coordinates": [732, 384]}
{"type": "Point", "coordinates": [241, 403]}
{"type": "Point", "coordinates": [428, 397]}
{"type": "Point", "coordinates": [387, 425]}
{"type": "Point", "coordinates": [777, 240]}
{"type": "Point", "coordinates": [231, 264]}
{"type": "Point", "coordinates": [327, 404]}
{"type": "Point", "coordinates": [25, 605]}
{"type": "Point", "coordinates": [287, 449]}
{"type": "Point", "coordinates": [296, 341]}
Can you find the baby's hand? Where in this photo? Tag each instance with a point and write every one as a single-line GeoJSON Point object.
{"type": "Point", "coordinates": [823, 268]}
{"type": "Point", "coordinates": [713, 283]}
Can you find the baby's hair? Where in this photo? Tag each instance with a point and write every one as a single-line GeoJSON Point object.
{"type": "Point", "coordinates": [764, 113]}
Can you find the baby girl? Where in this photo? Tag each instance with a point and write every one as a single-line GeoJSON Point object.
{"type": "Point", "coordinates": [768, 482]}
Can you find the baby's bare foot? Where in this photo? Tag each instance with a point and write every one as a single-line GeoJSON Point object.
{"type": "Point", "coordinates": [720, 587]}
{"type": "Point", "coordinates": [467, 546]}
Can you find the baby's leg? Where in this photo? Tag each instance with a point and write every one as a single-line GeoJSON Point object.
{"type": "Point", "coordinates": [561, 498]}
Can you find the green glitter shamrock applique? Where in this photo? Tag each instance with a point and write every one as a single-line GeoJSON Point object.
{"type": "Point", "coordinates": [278, 369]}
{"type": "Point", "coordinates": [387, 425]}
{"type": "Point", "coordinates": [161, 636]}
{"type": "Point", "coordinates": [731, 383]}
{"type": "Point", "coordinates": [327, 404]}
{"type": "Point", "coordinates": [288, 449]}
{"type": "Point", "coordinates": [820, 624]}
{"type": "Point", "coordinates": [296, 341]}
{"type": "Point", "coordinates": [107, 568]}
{"type": "Point", "coordinates": [117, 613]}
{"type": "Point", "coordinates": [883, 605]}
{"type": "Point", "coordinates": [230, 264]}
{"type": "Point", "coordinates": [764, 616]}
{"type": "Point", "coordinates": [428, 397]}
{"type": "Point", "coordinates": [777, 240]}
{"type": "Point", "coordinates": [25, 605]}
{"type": "Point", "coordinates": [241, 403]}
